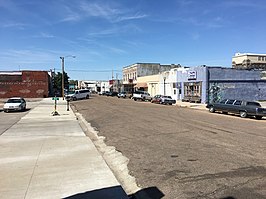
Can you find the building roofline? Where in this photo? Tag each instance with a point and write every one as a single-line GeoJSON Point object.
{"type": "Point", "coordinates": [250, 54]}
{"type": "Point", "coordinates": [132, 65]}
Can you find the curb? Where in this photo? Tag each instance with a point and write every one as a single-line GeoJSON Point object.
{"type": "Point", "coordinates": [114, 159]}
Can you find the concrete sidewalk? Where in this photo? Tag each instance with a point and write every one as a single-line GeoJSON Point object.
{"type": "Point", "coordinates": [191, 105]}
{"type": "Point", "coordinates": [45, 156]}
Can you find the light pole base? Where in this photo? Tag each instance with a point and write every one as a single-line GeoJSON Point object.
{"type": "Point", "coordinates": [55, 113]}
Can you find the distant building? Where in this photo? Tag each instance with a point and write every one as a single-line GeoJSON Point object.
{"type": "Point", "coordinates": [132, 72]}
{"type": "Point", "coordinates": [27, 84]}
{"type": "Point", "coordinates": [104, 86]}
{"type": "Point", "coordinates": [249, 61]}
{"type": "Point", "coordinates": [92, 85]}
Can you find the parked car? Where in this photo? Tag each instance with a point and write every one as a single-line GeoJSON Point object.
{"type": "Point", "coordinates": [141, 95]}
{"type": "Point", "coordinates": [112, 94]}
{"type": "Point", "coordinates": [15, 104]}
{"type": "Point", "coordinates": [122, 94]}
{"type": "Point", "coordinates": [79, 94]}
{"type": "Point", "coordinates": [104, 93]}
{"type": "Point", "coordinates": [161, 99]}
{"type": "Point", "coordinates": [241, 107]}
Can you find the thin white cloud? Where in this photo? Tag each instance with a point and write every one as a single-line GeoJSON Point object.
{"type": "Point", "coordinates": [113, 13]}
{"type": "Point", "coordinates": [70, 15]}
{"type": "Point", "coordinates": [133, 17]}
{"type": "Point", "coordinates": [99, 10]}
{"type": "Point", "coordinates": [44, 35]}
{"type": "Point", "coordinates": [116, 30]}
{"type": "Point", "coordinates": [117, 50]}
{"type": "Point", "coordinates": [16, 25]}
{"type": "Point", "coordinates": [243, 4]}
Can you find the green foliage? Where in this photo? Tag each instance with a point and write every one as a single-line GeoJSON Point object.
{"type": "Point", "coordinates": [58, 82]}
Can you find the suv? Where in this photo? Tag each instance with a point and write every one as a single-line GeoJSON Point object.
{"type": "Point", "coordinates": [244, 108]}
{"type": "Point", "coordinates": [79, 94]}
{"type": "Point", "coordinates": [141, 95]}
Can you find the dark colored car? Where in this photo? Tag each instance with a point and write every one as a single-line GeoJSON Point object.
{"type": "Point", "coordinates": [104, 93]}
{"type": "Point", "coordinates": [241, 107]}
{"type": "Point", "coordinates": [161, 99]}
{"type": "Point", "coordinates": [112, 94]}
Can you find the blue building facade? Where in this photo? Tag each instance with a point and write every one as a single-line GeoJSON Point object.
{"type": "Point", "coordinates": [193, 84]}
{"type": "Point", "coordinates": [236, 84]}
{"type": "Point", "coordinates": [210, 84]}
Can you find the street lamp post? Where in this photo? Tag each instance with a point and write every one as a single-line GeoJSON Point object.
{"type": "Point", "coordinates": [164, 78]}
{"type": "Point", "coordinates": [63, 70]}
{"type": "Point", "coordinates": [62, 79]}
{"type": "Point", "coordinates": [164, 85]}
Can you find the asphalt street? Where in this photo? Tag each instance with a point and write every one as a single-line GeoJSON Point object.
{"type": "Point", "coordinates": [9, 119]}
{"type": "Point", "coordinates": [183, 152]}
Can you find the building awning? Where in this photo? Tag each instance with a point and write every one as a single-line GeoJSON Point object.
{"type": "Point", "coordinates": [141, 85]}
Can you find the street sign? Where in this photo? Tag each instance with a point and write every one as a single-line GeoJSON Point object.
{"type": "Point", "coordinates": [55, 98]}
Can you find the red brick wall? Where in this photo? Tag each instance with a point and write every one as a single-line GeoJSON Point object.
{"type": "Point", "coordinates": [33, 84]}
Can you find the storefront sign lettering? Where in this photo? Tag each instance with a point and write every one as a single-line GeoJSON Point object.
{"type": "Point", "coordinates": [192, 75]}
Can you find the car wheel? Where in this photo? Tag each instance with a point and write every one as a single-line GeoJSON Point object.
{"type": "Point", "coordinates": [243, 114]}
{"type": "Point", "coordinates": [258, 117]}
{"type": "Point", "coordinates": [170, 103]}
{"type": "Point", "coordinates": [87, 97]}
{"type": "Point", "coordinates": [74, 98]}
{"type": "Point", "coordinates": [135, 99]}
{"type": "Point", "coordinates": [211, 109]}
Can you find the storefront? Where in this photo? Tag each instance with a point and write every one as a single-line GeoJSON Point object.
{"type": "Point", "coordinates": [192, 91]}
{"type": "Point", "coordinates": [192, 84]}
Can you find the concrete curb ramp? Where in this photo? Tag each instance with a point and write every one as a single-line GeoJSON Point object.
{"type": "Point", "coordinates": [45, 156]}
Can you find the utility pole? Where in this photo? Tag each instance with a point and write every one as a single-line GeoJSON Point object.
{"type": "Point", "coordinates": [63, 81]}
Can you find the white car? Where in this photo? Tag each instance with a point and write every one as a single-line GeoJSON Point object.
{"type": "Point", "coordinates": [79, 94]}
{"type": "Point", "coordinates": [122, 94]}
{"type": "Point", "coordinates": [15, 104]}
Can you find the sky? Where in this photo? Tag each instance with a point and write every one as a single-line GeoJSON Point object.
{"type": "Point", "coordinates": [107, 35]}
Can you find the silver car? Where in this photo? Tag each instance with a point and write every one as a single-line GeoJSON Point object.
{"type": "Point", "coordinates": [15, 104]}
{"type": "Point", "coordinates": [122, 94]}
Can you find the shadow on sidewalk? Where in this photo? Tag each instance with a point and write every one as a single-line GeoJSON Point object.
{"type": "Point", "coordinates": [117, 192]}
{"type": "Point", "coordinates": [147, 193]}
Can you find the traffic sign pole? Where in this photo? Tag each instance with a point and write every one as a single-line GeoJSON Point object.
{"type": "Point", "coordinates": [54, 113]}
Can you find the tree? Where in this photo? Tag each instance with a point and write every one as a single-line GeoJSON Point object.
{"type": "Point", "coordinates": [58, 83]}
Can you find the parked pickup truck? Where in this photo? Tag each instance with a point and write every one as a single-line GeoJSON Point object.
{"type": "Point", "coordinates": [141, 95]}
{"type": "Point", "coordinates": [243, 108]}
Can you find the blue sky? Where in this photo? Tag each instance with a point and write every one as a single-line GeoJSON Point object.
{"type": "Point", "coordinates": [107, 35]}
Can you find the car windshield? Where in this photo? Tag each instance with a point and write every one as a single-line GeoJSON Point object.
{"type": "Point", "coordinates": [70, 92]}
{"type": "Point", "coordinates": [14, 101]}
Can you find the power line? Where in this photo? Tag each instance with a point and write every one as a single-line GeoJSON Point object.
{"type": "Point", "coordinates": [91, 71]}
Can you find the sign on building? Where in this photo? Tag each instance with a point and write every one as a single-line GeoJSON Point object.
{"type": "Point", "coordinates": [192, 75]}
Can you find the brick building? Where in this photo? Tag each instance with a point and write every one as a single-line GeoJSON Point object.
{"type": "Point", "coordinates": [27, 84]}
